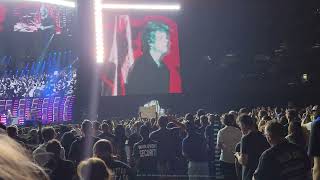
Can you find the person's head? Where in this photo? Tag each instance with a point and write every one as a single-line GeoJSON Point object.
{"type": "Point", "coordinates": [277, 110]}
{"type": "Point", "coordinates": [105, 128]}
{"type": "Point", "coordinates": [15, 162]}
{"type": "Point", "coordinates": [109, 122]}
{"type": "Point", "coordinates": [156, 38]}
{"type": "Point", "coordinates": [93, 169]}
{"type": "Point", "coordinates": [163, 121]}
{"type": "Point", "coordinates": [48, 133]}
{"type": "Point", "coordinates": [200, 113]}
{"type": "Point", "coordinates": [103, 149]}
{"type": "Point", "coordinates": [33, 133]}
{"type": "Point", "coordinates": [204, 120]}
{"type": "Point", "coordinates": [44, 12]}
{"type": "Point", "coordinates": [64, 128]}
{"type": "Point", "coordinates": [228, 120]}
{"type": "Point", "coordinates": [266, 118]}
{"type": "Point", "coordinates": [189, 117]}
{"type": "Point", "coordinates": [136, 126]}
{"type": "Point", "coordinates": [86, 127]}
{"type": "Point", "coordinates": [68, 138]}
{"type": "Point", "coordinates": [214, 118]}
{"type": "Point", "coordinates": [12, 131]}
{"type": "Point", "coordinates": [144, 132]}
{"type": "Point", "coordinates": [95, 125]}
{"type": "Point", "coordinates": [274, 132]}
{"type": "Point", "coordinates": [262, 113]}
{"type": "Point", "coordinates": [244, 111]}
{"type": "Point", "coordinates": [54, 147]}
{"type": "Point", "coordinates": [120, 131]}
{"type": "Point", "coordinates": [316, 111]}
{"type": "Point", "coordinates": [246, 123]}
{"type": "Point", "coordinates": [234, 113]}
{"type": "Point", "coordinates": [291, 115]}
{"type": "Point", "coordinates": [171, 125]}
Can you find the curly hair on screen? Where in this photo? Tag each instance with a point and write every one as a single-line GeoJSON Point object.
{"type": "Point", "coordinates": [148, 36]}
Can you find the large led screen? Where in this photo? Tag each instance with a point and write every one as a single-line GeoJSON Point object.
{"type": "Point", "coordinates": [38, 66]}
{"type": "Point", "coordinates": [142, 56]}
{"type": "Point", "coordinates": [35, 17]}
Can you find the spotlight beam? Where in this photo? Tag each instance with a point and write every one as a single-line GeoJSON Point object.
{"type": "Point", "coordinates": [163, 7]}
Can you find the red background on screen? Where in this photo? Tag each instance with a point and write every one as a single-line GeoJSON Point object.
{"type": "Point", "coordinates": [171, 60]}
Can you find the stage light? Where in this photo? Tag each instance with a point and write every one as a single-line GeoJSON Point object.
{"type": "Point", "coordinates": [57, 2]}
{"type": "Point", "coordinates": [99, 31]}
{"type": "Point", "coordinates": [174, 7]}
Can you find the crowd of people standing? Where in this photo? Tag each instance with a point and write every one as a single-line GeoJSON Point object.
{"type": "Point", "coordinates": [39, 85]}
{"type": "Point", "coordinates": [262, 144]}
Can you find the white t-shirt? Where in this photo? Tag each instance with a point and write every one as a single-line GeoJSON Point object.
{"type": "Point", "coordinates": [229, 137]}
{"type": "Point", "coordinates": [42, 157]}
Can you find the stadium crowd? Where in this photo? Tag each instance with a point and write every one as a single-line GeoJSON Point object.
{"type": "Point", "coordinates": [54, 84]}
{"type": "Point", "coordinates": [262, 144]}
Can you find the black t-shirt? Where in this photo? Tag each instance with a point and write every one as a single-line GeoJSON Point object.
{"type": "Point", "coordinates": [120, 170]}
{"type": "Point", "coordinates": [82, 149]}
{"type": "Point", "coordinates": [237, 164]}
{"type": "Point", "coordinates": [108, 136]}
{"type": "Point", "coordinates": [314, 144]}
{"type": "Point", "coordinates": [133, 139]}
{"type": "Point", "coordinates": [48, 22]}
{"type": "Point", "coordinates": [194, 147]}
{"type": "Point", "coordinates": [253, 145]}
{"type": "Point", "coordinates": [119, 148]}
{"type": "Point", "coordinates": [147, 78]}
{"type": "Point", "coordinates": [284, 161]}
{"type": "Point", "coordinates": [145, 154]}
{"type": "Point", "coordinates": [202, 130]}
{"type": "Point", "coordinates": [166, 142]}
{"type": "Point", "coordinates": [60, 169]}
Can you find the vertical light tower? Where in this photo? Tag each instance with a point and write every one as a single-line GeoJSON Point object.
{"type": "Point", "coordinates": [99, 31]}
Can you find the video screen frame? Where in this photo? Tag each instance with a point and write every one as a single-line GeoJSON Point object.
{"type": "Point", "coordinates": [133, 28]}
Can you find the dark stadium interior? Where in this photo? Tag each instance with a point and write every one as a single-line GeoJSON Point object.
{"type": "Point", "coordinates": [159, 90]}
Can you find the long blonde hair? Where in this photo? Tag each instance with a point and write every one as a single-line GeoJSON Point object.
{"type": "Point", "coordinates": [15, 164]}
{"type": "Point", "coordinates": [93, 169]}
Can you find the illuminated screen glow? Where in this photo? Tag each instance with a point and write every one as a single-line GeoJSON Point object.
{"type": "Point", "coordinates": [142, 7]}
{"type": "Point", "coordinates": [36, 17]}
{"type": "Point", "coordinates": [142, 56]}
{"type": "Point", "coordinates": [53, 76]}
{"type": "Point", "coordinates": [57, 2]}
{"type": "Point", "coordinates": [38, 67]}
{"type": "Point", "coordinates": [50, 110]}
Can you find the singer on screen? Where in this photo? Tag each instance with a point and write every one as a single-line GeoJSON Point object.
{"type": "Point", "coordinates": [149, 74]}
